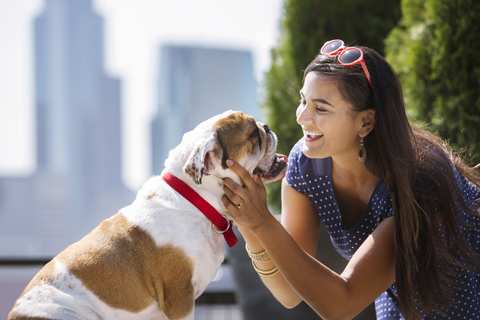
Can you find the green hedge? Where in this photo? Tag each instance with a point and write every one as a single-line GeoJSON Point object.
{"type": "Point", "coordinates": [435, 49]}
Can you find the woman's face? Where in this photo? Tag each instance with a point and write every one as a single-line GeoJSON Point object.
{"type": "Point", "coordinates": [330, 126]}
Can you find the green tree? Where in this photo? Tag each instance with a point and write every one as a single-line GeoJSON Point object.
{"type": "Point", "coordinates": [305, 27]}
{"type": "Point", "coordinates": [434, 49]}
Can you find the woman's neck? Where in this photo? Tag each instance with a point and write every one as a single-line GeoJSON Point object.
{"type": "Point", "coordinates": [353, 187]}
{"type": "Point", "coordinates": [353, 173]}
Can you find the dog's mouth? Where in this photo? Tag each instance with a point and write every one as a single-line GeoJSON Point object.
{"type": "Point", "coordinates": [277, 170]}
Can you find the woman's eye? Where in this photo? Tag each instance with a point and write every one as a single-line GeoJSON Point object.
{"type": "Point", "coordinates": [302, 101]}
{"type": "Point", "coordinates": [319, 109]}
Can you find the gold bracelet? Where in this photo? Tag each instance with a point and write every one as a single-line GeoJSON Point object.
{"type": "Point", "coordinates": [266, 273]}
{"type": "Point", "coordinates": [261, 256]}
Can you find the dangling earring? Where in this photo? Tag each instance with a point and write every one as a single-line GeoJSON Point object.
{"type": "Point", "coordinates": [362, 155]}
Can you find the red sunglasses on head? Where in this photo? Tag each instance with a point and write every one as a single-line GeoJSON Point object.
{"type": "Point", "coordinates": [347, 56]}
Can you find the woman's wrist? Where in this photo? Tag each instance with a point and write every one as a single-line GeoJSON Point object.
{"type": "Point", "coordinates": [265, 272]}
{"type": "Point", "coordinates": [262, 263]}
{"type": "Point", "coordinates": [250, 238]}
{"type": "Point", "coordinates": [264, 230]}
{"type": "Point", "coordinates": [258, 255]}
{"type": "Point", "coordinates": [254, 247]}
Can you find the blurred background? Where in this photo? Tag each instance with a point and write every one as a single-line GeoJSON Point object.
{"type": "Point", "coordinates": [94, 93]}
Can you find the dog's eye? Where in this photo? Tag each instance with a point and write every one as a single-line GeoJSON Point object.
{"type": "Point", "coordinates": [254, 134]}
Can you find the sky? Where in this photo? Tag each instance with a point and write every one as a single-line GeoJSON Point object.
{"type": "Point", "coordinates": [134, 30]}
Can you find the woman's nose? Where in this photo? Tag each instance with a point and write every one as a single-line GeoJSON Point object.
{"type": "Point", "coordinates": [303, 116]}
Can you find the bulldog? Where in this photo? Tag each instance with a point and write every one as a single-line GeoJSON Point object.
{"type": "Point", "coordinates": [156, 256]}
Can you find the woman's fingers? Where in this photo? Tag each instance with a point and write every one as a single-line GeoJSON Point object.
{"type": "Point", "coordinates": [247, 205]}
{"type": "Point", "coordinates": [258, 180]}
{"type": "Point", "coordinates": [234, 198]}
{"type": "Point", "coordinates": [233, 186]}
{"type": "Point", "coordinates": [227, 203]}
{"type": "Point", "coordinates": [242, 173]}
{"type": "Point", "coordinates": [254, 188]}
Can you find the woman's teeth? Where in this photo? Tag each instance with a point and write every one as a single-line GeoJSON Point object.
{"type": "Point", "coordinates": [312, 134]}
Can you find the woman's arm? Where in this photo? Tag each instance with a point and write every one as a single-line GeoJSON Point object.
{"type": "Point", "coordinates": [369, 273]}
{"type": "Point", "coordinates": [301, 220]}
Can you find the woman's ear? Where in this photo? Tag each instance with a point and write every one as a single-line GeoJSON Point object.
{"type": "Point", "coordinates": [369, 117]}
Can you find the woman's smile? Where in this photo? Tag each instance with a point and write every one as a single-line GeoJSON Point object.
{"type": "Point", "coordinates": [312, 136]}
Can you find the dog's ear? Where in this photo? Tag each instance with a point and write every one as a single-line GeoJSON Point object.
{"type": "Point", "coordinates": [203, 160]}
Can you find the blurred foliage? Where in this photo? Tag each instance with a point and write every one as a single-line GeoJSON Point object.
{"type": "Point", "coordinates": [435, 51]}
{"type": "Point", "coordinates": [305, 27]}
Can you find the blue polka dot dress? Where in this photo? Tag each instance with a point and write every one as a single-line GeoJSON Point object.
{"type": "Point", "coordinates": [312, 177]}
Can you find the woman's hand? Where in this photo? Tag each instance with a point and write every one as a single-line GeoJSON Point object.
{"type": "Point", "coordinates": [247, 205]}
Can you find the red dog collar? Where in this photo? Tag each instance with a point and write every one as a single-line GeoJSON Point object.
{"type": "Point", "coordinates": [220, 223]}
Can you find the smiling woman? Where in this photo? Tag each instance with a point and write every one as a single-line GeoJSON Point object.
{"type": "Point", "coordinates": [396, 201]}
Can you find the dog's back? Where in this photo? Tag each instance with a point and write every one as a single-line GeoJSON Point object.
{"type": "Point", "coordinates": [154, 257]}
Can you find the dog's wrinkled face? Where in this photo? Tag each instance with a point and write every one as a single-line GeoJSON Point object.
{"type": "Point", "coordinates": [238, 137]}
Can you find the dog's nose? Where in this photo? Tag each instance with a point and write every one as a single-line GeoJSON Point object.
{"type": "Point", "coordinates": [266, 128]}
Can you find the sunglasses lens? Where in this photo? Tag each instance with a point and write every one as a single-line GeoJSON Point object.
{"type": "Point", "coordinates": [350, 56]}
{"type": "Point", "coordinates": [332, 47]}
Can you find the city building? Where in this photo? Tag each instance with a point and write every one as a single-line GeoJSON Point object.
{"type": "Point", "coordinates": [77, 182]}
{"type": "Point", "coordinates": [194, 84]}
{"type": "Point", "coordinates": [78, 178]}
{"type": "Point", "coordinates": [78, 113]}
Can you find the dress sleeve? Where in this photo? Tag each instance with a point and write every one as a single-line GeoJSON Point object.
{"type": "Point", "coordinates": [294, 175]}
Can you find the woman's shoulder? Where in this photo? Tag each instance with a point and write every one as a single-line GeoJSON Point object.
{"type": "Point", "coordinates": [301, 168]}
{"type": "Point", "coordinates": [301, 165]}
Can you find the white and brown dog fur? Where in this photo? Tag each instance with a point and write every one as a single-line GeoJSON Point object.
{"type": "Point", "coordinates": [156, 256]}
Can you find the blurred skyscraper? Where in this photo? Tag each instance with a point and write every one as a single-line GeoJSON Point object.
{"type": "Point", "coordinates": [78, 111]}
{"type": "Point", "coordinates": [78, 179]}
{"type": "Point", "coordinates": [194, 84]}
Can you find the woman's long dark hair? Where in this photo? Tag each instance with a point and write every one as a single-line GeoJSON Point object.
{"type": "Point", "coordinates": [418, 170]}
